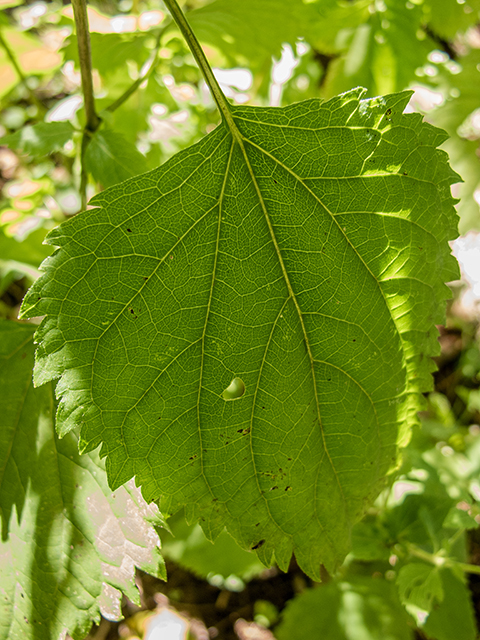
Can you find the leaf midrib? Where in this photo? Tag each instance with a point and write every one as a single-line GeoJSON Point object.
{"type": "Point", "coordinates": [292, 296]}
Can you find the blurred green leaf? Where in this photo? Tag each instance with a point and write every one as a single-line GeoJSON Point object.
{"type": "Point", "coordinates": [111, 159]}
{"type": "Point", "coordinates": [453, 618]}
{"type": "Point", "coordinates": [30, 250]}
{"type": "Point", "coordinates": [363, 608]}
{"type": "Point", "coordinates": [420, 586]}
{"type": "Point", "coordinates": [69, 545]}
{"type": "Point", "coordinates": [420, 518]}
{"type": "Point", "coordinates": [112, 50]}
{"type": "Point", "coordinates": [40, 139]}
{"type": "Point", "coordinates": [188, 546]}
{"type": "Point", "coordinates": [32, 55]}
{"type": "Point", "coordinates": [446, 17]}
{"type": "Point", "coordinates": [250, 32]}
{"type": "Point", "coordinates": [383, 53]}
{"type": "Point", "coordinates": [369, 541]}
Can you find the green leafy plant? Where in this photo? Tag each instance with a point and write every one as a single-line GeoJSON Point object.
{"type": "Point", "coordinates": [247, 330]}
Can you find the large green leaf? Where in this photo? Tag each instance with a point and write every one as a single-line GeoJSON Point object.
{"type": "Point", "coordinates": [68, 544]}
{"type": "Point", "coordinates": [250, 32]}
{"type": "Point", "coordinates": [462, 100]}
{"type": "Point", "coordinates": [30, 250]}
{"type": "Point", "coordinates": [420, 587]}
{"type": "Point", "coordinates": [40, 139]}
{"type": "Point", "coordinates": [445, 18]}
{"type": "Point", "coordinates": [302, 251]}
{"type": "Point", "coordinates": [384, 52]}
{"type": "Point", "coordinates": [110, 51]}
{"type": "Point", "coordinates": [454, 616]}
{"type": "Point", "coordinates": [110, 158]}
{"type": "Point", "coordinates": [357, 609]}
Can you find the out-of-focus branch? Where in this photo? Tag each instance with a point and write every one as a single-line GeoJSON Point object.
{"type": "Point", "coordinates": [19, 71]}
{"type": "Point", "coordinates": [85, 58]}
{"type": "Point", "coordinates": [13, 59]}
{"type": "Point", "coordinates": [126, 94]}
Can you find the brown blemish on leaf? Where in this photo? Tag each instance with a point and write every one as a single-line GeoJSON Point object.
{"type": "Point", "coordinates": [258, 545]}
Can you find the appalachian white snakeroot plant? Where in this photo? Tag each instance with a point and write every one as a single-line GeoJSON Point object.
{"type": "Point", "coordinates": [247, 330]}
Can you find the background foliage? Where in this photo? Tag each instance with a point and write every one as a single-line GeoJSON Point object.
{"type": "Point", "coordinates": [406, 574]}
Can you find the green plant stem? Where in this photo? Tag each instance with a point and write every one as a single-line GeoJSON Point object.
{"type": "Point", "coordinates": [85, 57]}
{"type": "Point", "coordinates": [202, 62]}
{"type": "Point", "coordinates": [13, 59]}
{"type": "Point", "coordinates": [18, 69]}
{"type": "Point", "coordinates": [440, 561]}
{"type": "Point", "coordinates": [126, 94]}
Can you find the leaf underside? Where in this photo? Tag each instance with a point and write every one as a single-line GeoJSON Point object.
{"type": "Point", "coordinates": [304, 253]}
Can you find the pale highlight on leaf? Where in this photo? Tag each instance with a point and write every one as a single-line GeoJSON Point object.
{"type": "Point", "coordinates": [69, 546]}
{"type": "Point", "coordinates": [302, 250]}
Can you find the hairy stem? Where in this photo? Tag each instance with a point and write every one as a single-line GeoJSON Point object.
{"type": "Point", "coordinates": [202, 62]}
{"type": "Point", "coordinates": [440, 561]}
{"type": "Point", "coordinates": [85, 58]}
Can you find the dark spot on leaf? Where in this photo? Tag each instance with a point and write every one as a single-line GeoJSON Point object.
{"type": "Point", "coordinates": [193, 457]}
{"type": "Point", "coordinates": [215, 500]}
{"type": "Point", "coordinates": [354, 340]}
{"type": "Point", "coordinates": [288, 458]}
{"type": "Point", "coordinates": [288, 488]}
{"type": "Point", "coordinates": [405, 173]}
{"type": "Point", "coordinates": [258, 545]}
{"type": "Point", "coordinates": [275, 181]}
{"type": "Point", "coordinates": [129, 230]}
{"type": "Point", "coordinates": [145, 277]}
{"type": "Point", "coordinates": [273, 488]}
{"type": "Point", "coordinates": [257, 524]}
{"type": "Point", "coordinates": [240, 431]}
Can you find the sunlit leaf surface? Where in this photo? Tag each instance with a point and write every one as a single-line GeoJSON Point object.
{"type": "Point", "coordinates": [300, 252]}
{"type": "Point", "coordinates": [69, 546]}
{"type": "Point", "coordinates": [357, 608]}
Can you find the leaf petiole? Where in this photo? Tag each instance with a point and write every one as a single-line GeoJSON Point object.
{"type": "Point", "coordinates": [145, 76]}
{"type": "Point", "coordinates": [441, 561]}
{"type": "Point", "coordinates": [205, 68]}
